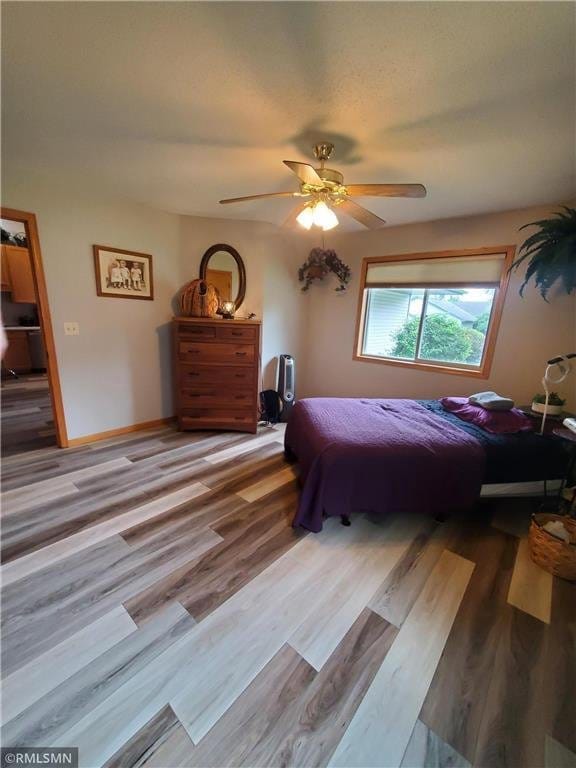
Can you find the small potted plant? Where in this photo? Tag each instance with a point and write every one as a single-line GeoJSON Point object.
{"type": "Point", "coordinates": [555, 403]}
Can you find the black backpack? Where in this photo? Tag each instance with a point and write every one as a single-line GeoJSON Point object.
{"type": "Point", "coordinates": [270, 406]}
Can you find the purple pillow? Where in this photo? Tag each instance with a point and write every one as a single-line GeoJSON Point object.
{"type": "Point", "coordinates": [497, 422]}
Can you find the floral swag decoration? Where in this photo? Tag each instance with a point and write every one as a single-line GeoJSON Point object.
{"type": "Point", "coordinates": [320, 263]}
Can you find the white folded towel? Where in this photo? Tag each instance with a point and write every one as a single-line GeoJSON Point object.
{"type": "Point", "coordinates": [491, 401]}
{"type": "Point", "coordinates": [557, 528]}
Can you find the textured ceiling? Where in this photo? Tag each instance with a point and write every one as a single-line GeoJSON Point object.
{"type": "Point", "coordinates": [177, 105]}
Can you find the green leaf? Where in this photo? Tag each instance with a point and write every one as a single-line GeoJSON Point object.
{"type": "Point", "coordinates": [551, 253]}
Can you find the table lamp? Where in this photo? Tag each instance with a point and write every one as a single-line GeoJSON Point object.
{"type": "Point", "coordinates": [563, 363]}
{"type": "Point", "coordinates": [228, 310]}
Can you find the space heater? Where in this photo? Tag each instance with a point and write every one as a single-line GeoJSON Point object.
{"type": "Point", "coordinates": [286, 385]}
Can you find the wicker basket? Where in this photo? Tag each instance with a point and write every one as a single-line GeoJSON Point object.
{"type": "Point", "coordinates": [551, 553]}
{"type": "Point", "coordinates": [199, 299]}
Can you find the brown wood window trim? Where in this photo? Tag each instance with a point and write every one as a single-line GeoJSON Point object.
{"type": "Point", "coordinates": [480, 372]}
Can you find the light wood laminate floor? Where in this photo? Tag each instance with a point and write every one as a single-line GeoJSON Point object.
{"type": "Point", "coordinates": [27, 420]}
{"type": "Point", "coordinates": [158, 609]}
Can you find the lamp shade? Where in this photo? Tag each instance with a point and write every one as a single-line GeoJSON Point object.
{"type": "Point", "coordinates": [306, 217]}
{"type": "Point", "coordinates": [318, 214]}
{"type": "Point", "coordinates": [324, 217]}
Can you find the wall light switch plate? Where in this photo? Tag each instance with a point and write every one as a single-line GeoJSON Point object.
{"type": "Point", "coordinates": [71, 329]}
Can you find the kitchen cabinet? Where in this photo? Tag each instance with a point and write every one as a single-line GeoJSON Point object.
{"type": "Point", "coordinates": [17, 275]}
{"type": "Point", "coordinates": [17, 357]}
{"type": "Point", "coordinates": [5, 282]}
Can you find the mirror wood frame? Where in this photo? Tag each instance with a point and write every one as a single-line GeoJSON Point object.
{"type": "Point", "coordinates": [241, 269]}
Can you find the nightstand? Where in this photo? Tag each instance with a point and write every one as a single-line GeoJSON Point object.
{"type": "Point", "coordinates": [553, 421]}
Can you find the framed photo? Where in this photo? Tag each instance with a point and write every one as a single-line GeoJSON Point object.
{"type": "Point", "coordinates": [123, 274]}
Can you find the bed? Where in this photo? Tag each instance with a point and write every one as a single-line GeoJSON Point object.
{"type": "Point", "coordinates": [370, 455]}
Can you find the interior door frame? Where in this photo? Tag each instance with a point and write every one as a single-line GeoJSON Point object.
{"type": "Point", "coordinates": [33, 240]}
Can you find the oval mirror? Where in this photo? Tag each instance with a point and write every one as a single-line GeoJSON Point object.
{"type": "Point", "coordinates": [222, 267]}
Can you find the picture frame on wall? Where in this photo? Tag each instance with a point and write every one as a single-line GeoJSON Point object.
{"type": "Point", "coordinates": [123, 274]}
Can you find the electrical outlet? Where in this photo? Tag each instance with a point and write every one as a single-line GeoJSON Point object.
{"type": "Point", "coordinates": [71, 329]}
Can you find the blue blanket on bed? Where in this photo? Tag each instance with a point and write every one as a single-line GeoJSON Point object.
{"type": "Point", "coordinates": [519, 457]}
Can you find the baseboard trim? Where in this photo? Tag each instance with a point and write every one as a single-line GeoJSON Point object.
{"type": "Point", "coordinates": [85, 439]}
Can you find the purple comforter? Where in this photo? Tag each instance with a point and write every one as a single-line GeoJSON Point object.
{"type": "Point", "coordinates": [380, 456]}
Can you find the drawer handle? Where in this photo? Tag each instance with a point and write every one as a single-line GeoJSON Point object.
{"type": "Point", "coordinates": [237, 333]}
{"type": "Point", "coordinates": [240, 354]}
{"type": "Point", "coordinates": [240, 375]}
{"type": "Point", "coordinates": [239, 397]}
{"type": "Point", "coordinates": [193, 373]}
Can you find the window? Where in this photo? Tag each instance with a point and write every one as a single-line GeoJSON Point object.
{"type": "Point", "coordinates": [434, 310]}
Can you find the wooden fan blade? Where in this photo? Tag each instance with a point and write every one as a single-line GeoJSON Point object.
{"type": "Point", "coordinates": [291, 220]}
{"type": "Point", "coordinates": [305, 172]}
{"type": "Point", "coordinates": [386, 190]}
{"type": "Point", "coordinates": [361, 214]}
{"type": "Point", "coordinates": [259, 197]}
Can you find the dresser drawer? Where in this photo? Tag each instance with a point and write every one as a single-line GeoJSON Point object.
{"type": "Point", "coordinates": [186, 331]}
{"type": "Point", "coordinates": [214, 418]}
{"type": "Point", "coordinates": [218, 398]}
{"type": "Point", "coordinates": [240, 425]}
{"type": "Point", "coordinates": [216, 352]}
{"type": "Point", "coordinates": [232, 375]}
{"type": "Point", "coordinates": [236, 333]}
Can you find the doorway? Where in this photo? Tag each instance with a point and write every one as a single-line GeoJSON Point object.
{"type": "Point", "coordinates": [32, 412]}
{"type": "Point", "coordinates": [221, 279]}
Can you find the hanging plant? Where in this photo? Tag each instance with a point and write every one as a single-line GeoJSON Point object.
{"type": "Point", "coordinates": [552, 253]}
{"type": "Point", "coordinates": [320, 263]}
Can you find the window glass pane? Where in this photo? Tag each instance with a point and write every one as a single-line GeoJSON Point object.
{"type": "Point", "coordinates": [455, 324]}
{"type": "Point", "coordinates": [392, 320]}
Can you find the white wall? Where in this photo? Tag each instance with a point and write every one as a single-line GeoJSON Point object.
{"type": "Point", "coordinates": [531, 330]}
{"type": "Point", "coordinates": [117, 372]}
{"type": "Point", "coordinates": [285, 310]}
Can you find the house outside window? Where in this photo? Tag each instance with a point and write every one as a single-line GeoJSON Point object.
{"type": "Point", "coordinates": [433, 310]}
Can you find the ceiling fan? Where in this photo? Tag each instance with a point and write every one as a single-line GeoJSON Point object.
{"type": "Point", "coordinates": [323, 189]}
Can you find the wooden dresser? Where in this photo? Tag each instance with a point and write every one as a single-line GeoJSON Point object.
{"type": "Point", "coordinates": [216, 373]}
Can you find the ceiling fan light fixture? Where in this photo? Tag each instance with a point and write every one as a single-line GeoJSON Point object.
{"type": "Point", "coordinates": [306, 217]}
{"type": "Point", "coordinates": [324, 217]}
{"type": "Point", "coordinates": [324, 187]}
